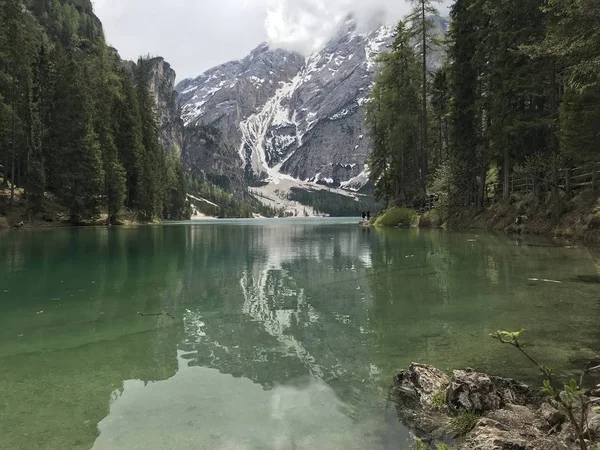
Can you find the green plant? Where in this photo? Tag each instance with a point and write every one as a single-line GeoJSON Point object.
{"type": "Point", "coordinates": [420, 445]}
{"type": "Point", "coordinates": [570, 399]}
{"type": "Point", "coordinates": [397, 217]}
{"type": "Point", "coordinates": [438, 400]}
{"type": "Point", "coordinates": [445, 447]}
{"type": "Point", "coordinates": [464, 422]}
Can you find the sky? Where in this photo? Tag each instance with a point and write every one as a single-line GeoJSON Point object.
{"type": "Point", "coordinates": [195, 35]}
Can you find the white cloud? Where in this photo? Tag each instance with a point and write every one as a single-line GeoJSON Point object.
{"type": "Point", "coordinates": [194, 35]}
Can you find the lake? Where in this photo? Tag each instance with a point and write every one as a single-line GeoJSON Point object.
{"type": "Point", "coordinates": [266, 334]}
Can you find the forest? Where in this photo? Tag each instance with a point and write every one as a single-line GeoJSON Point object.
{"type": "Point", "coordinates": [333, 204]}
{"type": "Point", "coordinates": [76, 125]}
{"type": "Point", "coordinates": [513, 103]}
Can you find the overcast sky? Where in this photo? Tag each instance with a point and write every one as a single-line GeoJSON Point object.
{"type": "Point", "coordinates": [195, 35]}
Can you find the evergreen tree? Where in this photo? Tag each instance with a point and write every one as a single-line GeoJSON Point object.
{"type": "Point", "coordinates": [393, 121]}
{"type": "Point", "coordinates": [573, 38]}
{"type": "Point", "coordinates": [79, 176]}
{"type": "Point", "coordinates": [423, 19]}
{"type": "Point", "coordinates": [151, 193]}
{"type": "Point", "coordinates": [128, 138]}
{"type": "Point", "coordinates": [40, 120]}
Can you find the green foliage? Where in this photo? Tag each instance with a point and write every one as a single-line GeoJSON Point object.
{"type": "Point", "coordinates": [520, 89]}
{"type": "Point", "coordinates": [464, 422]}
{"type": "Point", "coordinates": [333, 204]}
{"type": "Point", "coordinates": [72, 123]}
{"type": "Point", "coordinates": [397, 217]}
{"type": "Point", "coordinates": [393, 120]}
{"type": "Point", "coordinates": [431, 219]}
{"type": "Point", "coordinates": [420, 445]}
{"type": "Point", "coordinates": [439, 400]}
{"type": "Point", "coordinates": [571, 399]}
{"type": "Point", "coordinates": [213, 201]}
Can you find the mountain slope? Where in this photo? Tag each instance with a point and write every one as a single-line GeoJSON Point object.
{"type": "Point", "coordinates": [290, 118]}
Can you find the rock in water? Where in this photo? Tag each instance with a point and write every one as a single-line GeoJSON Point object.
{"type": "Point", "coordinates": [472, 391]}
{"type": "Point", "coordinates": [513, 416]}
{"type": "Point", "coordinates": [420, 382]}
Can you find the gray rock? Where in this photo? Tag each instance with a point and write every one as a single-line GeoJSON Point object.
{"type": "Point", "coordinates": [168, 107]}
{"type": "Point", "coordinates": [551, 415]}
{"type": "Point", "coordinates": [509, 432]}
{"type": "Point", "coordinates": [592, 427]}
{"type": "Point", "coordinates": [473, 391]}
{"type": "Point", "coordinates": [301, 117]}
{"type": "Point", "coordinates": [420, 382]}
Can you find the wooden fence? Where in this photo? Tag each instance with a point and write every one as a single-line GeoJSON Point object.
{"type": "Point", "coordinates": [568, 180]}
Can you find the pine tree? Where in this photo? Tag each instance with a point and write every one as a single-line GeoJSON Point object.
{"type": "Point", "coordinates": [393, 121]}
{"type": "Point", "coordinates": [128, 138]}
{"type": "Point", "coordinates": [573, 38]}
{"type": "Point", "coordinates": [107, 92]}
{"type": "Point", "coordinates": [151, 161]}
{"type": "Point", "coordinates": [40, 120]}
{"type": "Point", "coordinates": [423, 18]}
{"type": "Point", "coordinates": [79, 176]}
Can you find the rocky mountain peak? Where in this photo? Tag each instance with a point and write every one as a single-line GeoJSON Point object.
{"type": "Point", "coordinates": [285, 117]}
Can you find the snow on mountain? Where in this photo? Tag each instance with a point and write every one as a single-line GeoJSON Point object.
{"type": "Point", "coordinates": [288, 118]}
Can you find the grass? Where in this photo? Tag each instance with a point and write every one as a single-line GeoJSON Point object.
{"type": "Point", "coordinates": [431, 219]}
{"type": "Point", "coordinates": [464, 422]}
{"type": "Point", "coordinates": [420, 445]}
{"type": "Point", "coordinates": [438, 400]}
{"type": "Point", "coordinates": [398, 217]}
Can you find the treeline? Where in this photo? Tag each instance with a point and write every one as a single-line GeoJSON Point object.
{"type": "Point", "coordinates": [332, 204]}
{"type": "Point", "coordinates": [518, 90]}
{"type": "Point", "coordinates": [225, 205]}
{"type": "Point", "coordinates": [75, 123]}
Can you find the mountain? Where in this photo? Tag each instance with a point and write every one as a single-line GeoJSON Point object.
{"type": "Point", "coordinates": [161, 84]}
{"type": "Point", "coordinates": [281, 117]}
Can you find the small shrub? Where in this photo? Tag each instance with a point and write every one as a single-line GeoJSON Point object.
{"type": "Point", "coordinates": [397, 217]}
{"type": "Point", "coordinates": [420, 445]}
{"type": "Point", "coordinates": [431, 219]}
{"type": "Point", "coordinates": [438, 400]}
{"type": "Point", "coordinates": [464, 422]}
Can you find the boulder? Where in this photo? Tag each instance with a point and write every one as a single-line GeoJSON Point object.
{"type": "Point", "coordinates": [421, 382]}
{"type": "Point", "coordinates": [516, 433]}
{"type": "Point", "coordinates": [473, 391]}
{"type": "Point", "coordinates": [550, 415]}
{"type": "Point", "coordinates": [592, 428]}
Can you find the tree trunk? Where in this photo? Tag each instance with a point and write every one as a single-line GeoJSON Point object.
{"type": "Point", "coordinates": [424, 125]}
{"type": "Point", "coordinates": [12, 176]}
{"type": "Point", "coordinates": [506, 192]}
{"type": "Point", "coordinates": [482, 190]}
{"type": "Point", "coordinates": [5, 170]}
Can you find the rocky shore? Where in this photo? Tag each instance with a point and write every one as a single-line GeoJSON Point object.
{"type": "Point", "coordinates": [475, 411]}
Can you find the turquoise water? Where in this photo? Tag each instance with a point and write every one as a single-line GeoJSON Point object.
{"type": "Point", "coordinates": [276, 334]}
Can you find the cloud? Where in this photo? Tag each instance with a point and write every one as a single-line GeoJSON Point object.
{"type": "Point", "coordinates": [195, 35]}
{"type": "Point", "coordinates": [306, 25]}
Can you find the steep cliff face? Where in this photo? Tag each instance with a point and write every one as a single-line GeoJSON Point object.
{"type": "Point", "coordinates": [288, 117]}
{"type": "Point", "coordinates": [222, 98]}
{"type": "Point", "coordinates": [168, 107]}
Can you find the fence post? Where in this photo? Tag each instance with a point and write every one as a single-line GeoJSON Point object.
{"type": "Point", "coordinates": [593, 179]}
{"type": "Point", "coordinates": [568, 180]}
